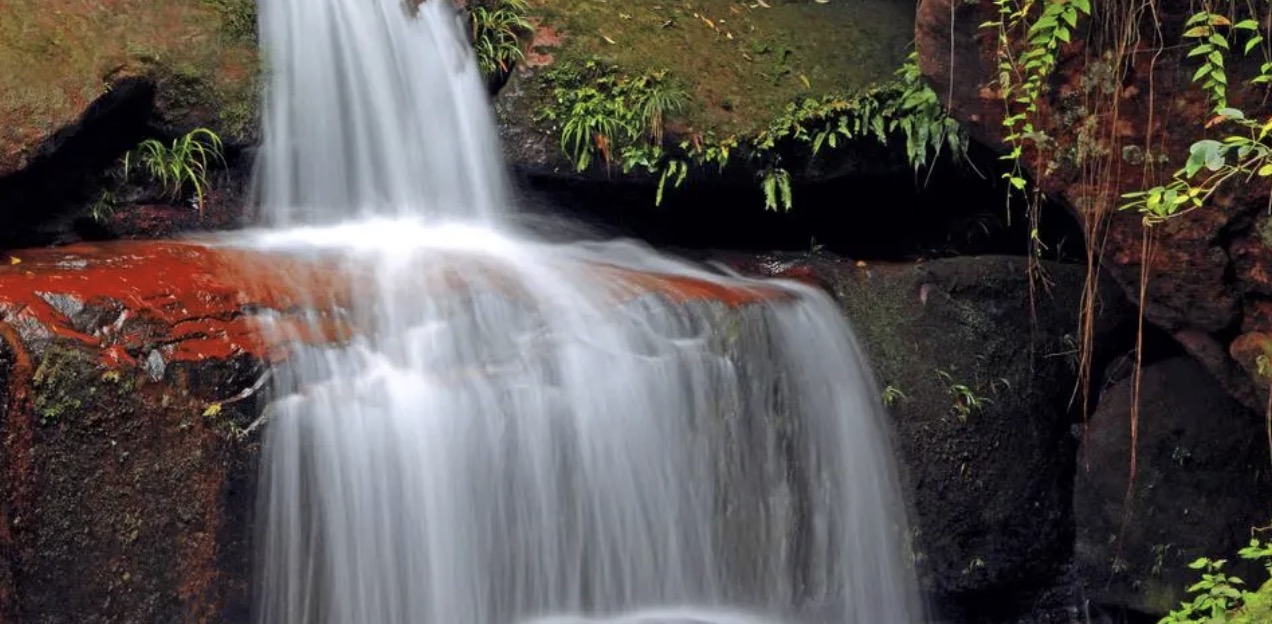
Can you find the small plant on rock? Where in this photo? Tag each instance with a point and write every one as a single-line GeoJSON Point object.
{"type": "Point", "coordinates": [891, 394]}
{"type": "Point", "coordinates": [966, 401]}
{"type": "Point", "coordinates": [181, 166]}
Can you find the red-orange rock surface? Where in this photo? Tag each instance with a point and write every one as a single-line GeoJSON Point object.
{"type": "Point", "coordinates": [124, 495]}
{"type": "Point", "coordinates": [1210, 270]}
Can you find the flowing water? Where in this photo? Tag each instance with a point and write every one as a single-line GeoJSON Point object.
{"type": "Point", "coordinates": [532, 432]}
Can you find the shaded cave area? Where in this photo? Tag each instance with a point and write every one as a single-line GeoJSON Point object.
{"type": "Point", "coordinates": [884, 214]}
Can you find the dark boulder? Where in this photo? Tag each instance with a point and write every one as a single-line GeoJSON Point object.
{"type": "Point", "coordinates": [1201, 482]}
{"type": "Point", "coordinates": [983, 386]}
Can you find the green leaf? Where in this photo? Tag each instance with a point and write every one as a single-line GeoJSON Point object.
{"type": "Point", "coordinates": [1201, 49]}
{"type": "Point", "coordinates": [1248, 24]}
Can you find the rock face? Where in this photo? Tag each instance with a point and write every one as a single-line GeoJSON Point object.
{"type": "Point", "coordinates": [981, 394]}
{"type": "Point", "coordinates": [130, 373]}
{"type": "Point", "coordinates": [132, 388]}
{"type": "Point", "coordinates": [86, 82]}
{"type": "Point", "coordinates": [1201, 480]}
{"type": "Point", "coordinates": [1112, 132]}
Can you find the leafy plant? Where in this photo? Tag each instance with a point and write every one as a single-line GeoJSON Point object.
{"type": "Point", "coordinates": [1245, 153]}
{"type": "Point", "coordinates": [966, 401]}
{"type": "Point", "coordinates": [776, 183]}
{"type": "Point", "coordinates": [497, 31]}
{"type": "Point", "coordinates": [607, 116]}
{"type": "Point", "coordinates": [104, 206]}
{"type": "Point", "coordinates": [1022, 76]}
{"type": "Point", "coordinates": [1218, 597]}
{"type": "Point", "coordinates": [604, 115]}
{"type": "Point", "coordinates": [891, 394]}
{"type": "Point", "coordinates": [182, 165]}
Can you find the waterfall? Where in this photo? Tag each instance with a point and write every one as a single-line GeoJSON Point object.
{"type": "Point", "coordinates": [527, 432]}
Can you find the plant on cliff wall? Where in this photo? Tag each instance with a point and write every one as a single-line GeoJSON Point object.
{"type": "Point", "coordinates": [181, 166]}
{"type": "Point", "coordinates": [606, 116]}
{"type": "Point", "coordinates": [1024, 68]}
{"type": "Point", "coordinates": [1244, 153]}
{"type": "Point", "coordinates": [1219, 598]}
{"type": "Point", "coordinates": [497, 31]}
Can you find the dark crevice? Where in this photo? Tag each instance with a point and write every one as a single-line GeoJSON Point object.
{"type": "Point", "coordinates": [887, 213]}
{"type": "Point", "coordinates": [40, 198]}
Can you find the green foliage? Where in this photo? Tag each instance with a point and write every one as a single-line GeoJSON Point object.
{"type": "Point", "coordinates": [1218, 597]}
{"type": "Point", "coordinates": [966, 400]}
{"type": "Point", "coordinates": [606, 116]}
{"type": "Point", "coordinates": [1208, 29]}
{"type": "Point", "coordinates": [892, 394]}
{"type": "Point", "coordinates": [776, 183]}
{"type": "Point", "coordinates": [497, 31]}
{"type": "Point", "coordinates": [1245, 153]}
{"type": "Point", "coordinates": [104, 206]}
{"type": "Point", "coordinates": [181, 166]}
{"type": "Point", "coordinates": [1022, 76]}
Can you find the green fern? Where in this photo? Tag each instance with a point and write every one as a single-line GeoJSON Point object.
{"type": "Point", "coordinates": [776, 183]}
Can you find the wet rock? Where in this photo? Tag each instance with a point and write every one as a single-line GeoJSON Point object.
{"type": "Point", "coordinates": [982, 386]}
{"type": "Point", "coordinates": [126, 483]}
{"type": "Point", "coordinates": [1201, 483]}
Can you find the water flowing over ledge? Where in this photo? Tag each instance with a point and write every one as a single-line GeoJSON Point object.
{"type": "Point", "coordinates": [520, 430]}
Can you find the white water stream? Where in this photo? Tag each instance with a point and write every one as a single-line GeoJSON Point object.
{"type": "Point", "coordinates": [531, 432]}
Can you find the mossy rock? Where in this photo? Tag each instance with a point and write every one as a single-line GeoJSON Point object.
{"type": "Point", "coordinates": [57, 57]}
{"type": "Point", "coordinates": [741, 62]}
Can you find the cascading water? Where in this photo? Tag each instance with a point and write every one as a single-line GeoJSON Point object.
{"type": "Point", "coordinates": [528, 432]}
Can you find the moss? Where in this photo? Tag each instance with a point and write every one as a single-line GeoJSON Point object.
{"type": "Point", "coordinates": [58, 56]}
{"type": "Point", "coordinates": [70, 380]}
{"type": "Point", "coordinates": [238, 18]}
{"type": "Point", "coordinates": [63, 383]}
{"type": "Point", "coordinates": [743, 62]}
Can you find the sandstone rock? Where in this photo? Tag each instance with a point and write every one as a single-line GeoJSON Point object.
{"type": "Point", "coordinates": [1201, 483]}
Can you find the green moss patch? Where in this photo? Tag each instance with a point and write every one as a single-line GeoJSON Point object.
{"type": "Point", "coordinates": [742, 62]}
